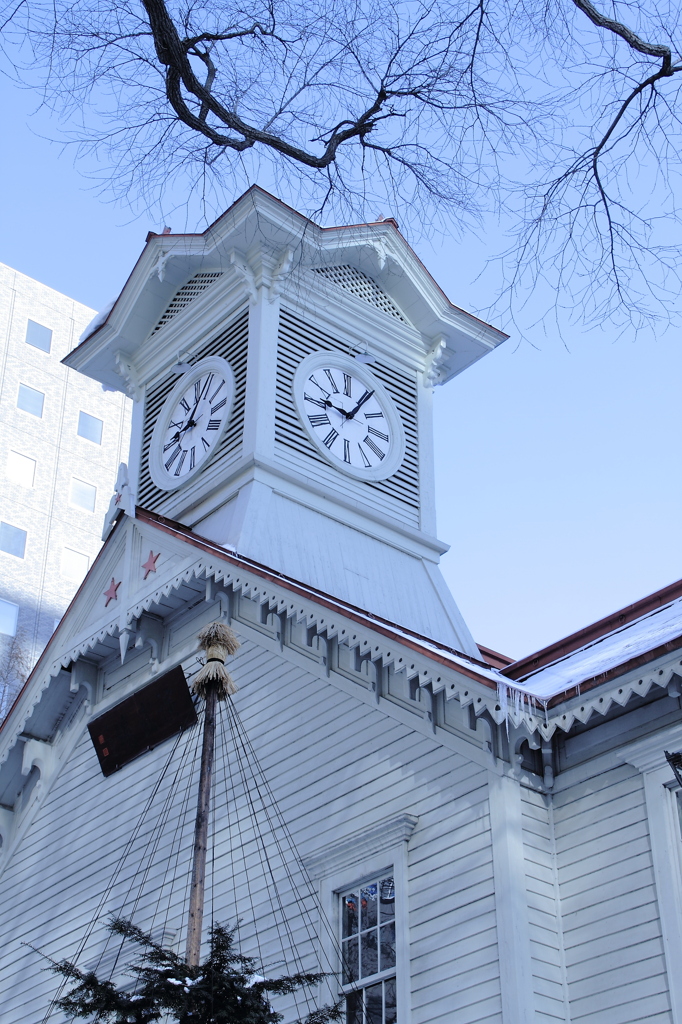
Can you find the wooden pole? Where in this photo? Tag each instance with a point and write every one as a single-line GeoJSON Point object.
{"type": "Point", "coordinates": [196, 896]}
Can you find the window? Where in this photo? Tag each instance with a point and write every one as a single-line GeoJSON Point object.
{"type": "Point", "coordinates": [38, 336]}
{"type": "Point", "coordinates": [368, 944]}
{"type": "Point", "coordinates": [20, 469]}
{"type": "Point", "coordinates": [30, 400]}
{"type": "Point", "coordinates": [12, 540]}
{"type": "Point", "coordinates": [83, 494]}
{"type": "Point", "coordinates": [90, 427]}
{"type": "Point", "coordinates": [9, 614]}
{"type": "Point", "coordinates": [74, 564]}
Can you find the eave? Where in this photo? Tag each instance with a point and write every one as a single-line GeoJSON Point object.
{"type": "Point", "coordinates": [448, 334]}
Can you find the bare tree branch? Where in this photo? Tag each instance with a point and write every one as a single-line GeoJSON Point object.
{"type": "Point", "coordinates": [550, 111]}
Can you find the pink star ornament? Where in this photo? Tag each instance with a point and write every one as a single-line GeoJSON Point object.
{"type": "Point", "coordinates": [150, 564]}
{"type": "Point", "coordinates": [111, 592]}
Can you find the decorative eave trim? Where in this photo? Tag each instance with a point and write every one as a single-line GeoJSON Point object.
{"type": "Point", "coordinates": [432, 666]}
{"type": "Point", "coordinates": [360, 846]}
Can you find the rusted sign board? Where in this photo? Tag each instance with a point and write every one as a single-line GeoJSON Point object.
{"type": "Point", "coordinates": [142, 721]}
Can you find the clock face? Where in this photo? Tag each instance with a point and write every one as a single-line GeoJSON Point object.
{"type": "Point", "coordinates": [191, 423]}
{"type": "Point", "coordinates": [349, 416]}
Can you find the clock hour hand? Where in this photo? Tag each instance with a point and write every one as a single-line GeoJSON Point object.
{"type": "Point", "coordinates": [367, 395]}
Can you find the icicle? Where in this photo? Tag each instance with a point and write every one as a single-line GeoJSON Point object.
{"type": "Point", "coordinates": [218, 641]}
{"type": "Point", "coordinates": [502, 699]}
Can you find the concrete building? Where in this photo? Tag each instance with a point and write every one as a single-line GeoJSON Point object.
{"type": "Point", "coordinates": [61, 440]}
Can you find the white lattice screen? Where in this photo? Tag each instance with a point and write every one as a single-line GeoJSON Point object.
{"type": "Point", "coordinates": [363, 286]}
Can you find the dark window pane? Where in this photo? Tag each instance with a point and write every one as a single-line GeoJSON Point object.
{"type": "Point", "coordinates": [30, 400]}
{"type": "Point", "coordinates": [90, 427]}
{"type": "Point", "coordinates": [354, 1008]}
{"type": "Point", "coordinates": [387, 946]}
{"type": "Point", "coordinates": [373, 1006]}
{"type": "Point", "coordinates": [368, 907]}
{"type": "Point", "coordinates": [12, 540]}
{"type": "Point", "coordinates": [350, 961]}
{"type": "Point", "coordinates": [370, 961]}
{"type": "Point", "coordinates": [390, 1004]}
{"type": "Point", "coordinates": [38, 336]}
{"type": "Point", "coordinates": [387, 899]}
{"type": "Point", "coordinates": [350, 914]}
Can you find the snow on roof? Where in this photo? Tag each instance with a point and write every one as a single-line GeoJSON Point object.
{"type": "Point", "coordinates": [605, 653]}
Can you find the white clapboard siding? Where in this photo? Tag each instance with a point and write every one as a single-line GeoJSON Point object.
{"type": "Point", "coordinates": [336, 765]}
{"type": "Point", "coordinates": [614, 959]}
{"type": "Point", "coordinates": [543, 909]}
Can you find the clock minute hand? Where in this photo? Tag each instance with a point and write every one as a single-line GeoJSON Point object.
{"type": "Point", "coordinates": [365, 398]}
{"type": "Point", "coordinates": [190, 422]}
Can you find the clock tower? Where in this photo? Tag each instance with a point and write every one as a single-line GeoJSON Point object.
{"type": "Point", "coordinates": [282, 375]}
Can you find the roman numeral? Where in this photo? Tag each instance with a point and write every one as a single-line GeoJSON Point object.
{"type": "Point", "coordinates": [206, 444]}
{"type": "Point", "coordinates": [184, 404]}
{"type": "Point", "coordinates": [214, 424]}
{"type": "Point", "coordinates": [313, 381]}
{"type": "Point", "coordinates": [328, 375]}
{"type": "Point", "coordinates": [214, 408]}
{"type": "Point", "coordinates": [371, 445]}
{"type": "Point", "coordinates": [377, 433]}
{"type": "Point", "coordinates": [347, 384]}
{"type": "Point", "coordinates": [197, 391]}
{"type": "Point", "coordinates": [209, 381]}
{"type": "Point", "coordinates": [346, 450]}
{"type": "Point", "coordinates": [373, 415]}
{"type": "Point", "coordinates": [192, 457]}
{"type": "Point", "coordinates": [216, 390]}
{"type": "Point", "coordinates": [316, 401]}
{"type": "Point", "coordinates": [176, 425]}
{"type": "Point", "coordinates": [170, 444]}
{"type": "Point", "coordinates": [182, 459]}
{"type": "Point", "coordinates": [319, 419]}
{"type": "Point", "coordinates": [330, 438]}
{"type": "Point", "coordinates": [173, 457]}
{"type": "Point", "coordinates": [366, 461]}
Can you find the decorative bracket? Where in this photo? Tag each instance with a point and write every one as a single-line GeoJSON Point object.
{"type": "Point", "coordinates": [279, 273]}
{"type": "Point", "coordinates": [217, 595]}
{"type": "Point", "coordinates": [434, 361]}
{"type": "Point", "coordinates": [129, 375]}
{"type": "Point", "coordinates": [246, 273]}
{"type": "Point", "coordinates": [40, 754]}
{"type": "Point", "coordinates": [159, 266]}
{"type": "Point", "coordinates": [150, 633]}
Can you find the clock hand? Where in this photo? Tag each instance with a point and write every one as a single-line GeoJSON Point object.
{"type": "Point", "coordinates": [367, 395]}
{"type": "Point", "coordinates": [336, 408]}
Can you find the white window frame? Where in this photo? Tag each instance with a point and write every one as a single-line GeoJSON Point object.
{"type": "Point", "coordinates": [391, 974]}
{"type": "Point", "coordinates": [339, 867]}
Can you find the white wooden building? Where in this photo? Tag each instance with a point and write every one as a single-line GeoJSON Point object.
{"type": "Point", "coordinates": [517, 823]}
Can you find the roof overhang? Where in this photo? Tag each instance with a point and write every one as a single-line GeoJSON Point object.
{"type": "Point", "coordinates": [288, 245]}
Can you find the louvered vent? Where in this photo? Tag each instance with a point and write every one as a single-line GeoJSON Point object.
{"type": "Point", "coordinates": [363, 286]}
{"type": "Point", "coordinates": [399, 495]}
{"type": "Point", "coordinates": [231, 344]}
{"type": "Point", "coordinates": [198, 284]}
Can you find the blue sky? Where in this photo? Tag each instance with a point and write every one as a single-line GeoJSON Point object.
{"type": "Point", "coordinates": [558, 458]}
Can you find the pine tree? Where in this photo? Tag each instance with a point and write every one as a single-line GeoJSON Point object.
{"type": "Point", "coordinates": [224, 989]}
